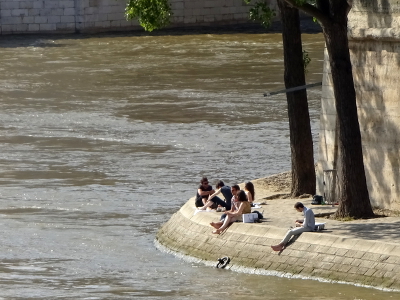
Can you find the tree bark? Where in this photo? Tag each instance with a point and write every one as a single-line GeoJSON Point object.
{"type": "Point", "coordinates": [301, 144]}
{"type": "Point", "coordinates": [353, 196]}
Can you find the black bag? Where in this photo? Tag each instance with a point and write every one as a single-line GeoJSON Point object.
{"type": "Point", "coordinates": [260, 216]}
{"type": "Point", "coordinates": [317, 200]}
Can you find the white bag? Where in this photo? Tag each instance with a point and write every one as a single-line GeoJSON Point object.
{"type": "Point", "coordinates": [319, 226]}
{"type": "Point", "coordinates": [249, 218]}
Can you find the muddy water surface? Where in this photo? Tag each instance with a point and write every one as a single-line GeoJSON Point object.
{"type": "Point", "coordinates": [103, 138]}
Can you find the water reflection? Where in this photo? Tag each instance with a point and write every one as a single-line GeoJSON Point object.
{"type": "Point", "coordinates": [103, 138]}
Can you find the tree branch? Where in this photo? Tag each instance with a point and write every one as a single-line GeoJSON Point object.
{"type": "Point", "coordinates": [311, 10]}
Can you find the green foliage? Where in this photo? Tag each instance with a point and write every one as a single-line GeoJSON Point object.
{"type": "Point", "coordinates": [306, 61]}
{"type": "Point", "coordinates": [151, 14]}
{"type": "Point", "coordinates": [261, 12]}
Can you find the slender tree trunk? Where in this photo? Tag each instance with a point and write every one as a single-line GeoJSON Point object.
{"type": "Point", "coordinates": [301, 144]}
{"type": "Point", "coordinates": [354, 197]}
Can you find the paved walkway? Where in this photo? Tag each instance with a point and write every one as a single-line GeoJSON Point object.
{"type": "Point", "coordinates": [365, 252]}
{"type": "Point", "coordinates": [280, 213]}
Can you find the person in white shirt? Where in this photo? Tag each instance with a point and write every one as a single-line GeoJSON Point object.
{"type": "Point", "coordinates": [308, 224]}
{"type": "Point", "coordinates": [235, 207]}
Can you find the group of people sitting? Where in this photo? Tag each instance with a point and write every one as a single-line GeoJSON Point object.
{"type": "Point", "coordinates": [237, 202]}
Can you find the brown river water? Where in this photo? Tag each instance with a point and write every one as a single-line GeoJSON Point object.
{"type": "Point", "coordinates": [103, 138]}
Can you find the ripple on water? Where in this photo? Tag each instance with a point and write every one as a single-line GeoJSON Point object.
{"type": "Point", "coordinates": [103, 138]}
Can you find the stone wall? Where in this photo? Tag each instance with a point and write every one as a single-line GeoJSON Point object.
{"type": "Point", "coordinates": [374, 33]}
{"type": "Point", "coordinates": [313, 254]}
{"type": "Point", "coordinates": [64, 16]}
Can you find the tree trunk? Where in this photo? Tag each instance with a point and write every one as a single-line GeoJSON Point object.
{"type": "Point", "coordinates": [353, 198]}
{"type": "Point", "coordinates": [301, 144]}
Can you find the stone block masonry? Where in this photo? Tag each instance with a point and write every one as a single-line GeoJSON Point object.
{"type": "Point", "coordinates": [374, 44]}
{"type": "Point", "coordinates": [334, 257]}
{"type": "Point", "coordinates": [62, 16]}
{"type": "Point", "coordinates": [67, 16]}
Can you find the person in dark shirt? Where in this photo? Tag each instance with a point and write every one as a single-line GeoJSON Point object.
{"type": "Point", "coordinates": [214, 200]}
{"type": "Point", "coordinates": [203, 192]}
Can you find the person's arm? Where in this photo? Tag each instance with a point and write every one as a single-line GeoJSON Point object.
{"type": "Point", "coordinates": [234, 204]}
{"type": "Point", "coordinates": [239, 211]}
{"type": "Point", "coordinates": [215, 194]}
{"type": "Point", "coordinates": [232, 209]}
{"type": "Point", "coordinates": [299, 223]}
{"type": "Point", "coordinates": [204, 193]}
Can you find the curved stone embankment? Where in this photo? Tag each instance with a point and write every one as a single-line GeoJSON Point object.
{"type": "Point", "coordinates": [347, 255]}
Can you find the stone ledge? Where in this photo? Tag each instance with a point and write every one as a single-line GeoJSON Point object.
{"type": "Point", "coordinates": [381, 34]}
{"type": "Point", "coordinates": [313, 254]}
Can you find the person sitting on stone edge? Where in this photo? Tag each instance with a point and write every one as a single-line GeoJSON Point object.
{"type": "Point", "coordinates": [249, 189]}
{"type": "Point", "coordinates": [244, 208]}
{"type": "Point", "coordinates": [225, 191]}
{"type": "Point", "coordinates": [203, 192]}
{"type": "Point", "coordinates": [234, 207]}
{"type": "Point", "coordinates": [308, 224]}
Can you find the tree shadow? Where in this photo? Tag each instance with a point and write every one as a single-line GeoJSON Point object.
{"type": "Point", "coordinates": [378, 13]}
{"type": "Point", "coordinates": [376, 63]}
{"type": "Point", "coordinates": [373, 231]}
{"type": "Point", "coordinates": [375, 68]}
{"type": "Point", "coordinates": [367, 231]}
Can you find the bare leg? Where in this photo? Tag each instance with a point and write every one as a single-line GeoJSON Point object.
{"type": "Point", "coordinates": [227, 221]}
{"type": "Point", "coordinates": [208, 204]}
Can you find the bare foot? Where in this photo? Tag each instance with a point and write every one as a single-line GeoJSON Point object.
{"type": "Point", "coordinates": [214, 225]}
{"type": "Point", "coordinates": [216, 231]}
{"type": "Point", "coordinates": [278, 247]}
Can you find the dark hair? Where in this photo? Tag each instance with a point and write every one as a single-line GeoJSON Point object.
{"type": "Point", "coordinates": [241, 196]}
{"type": "Point", "coordinates": [298, 205]}
{"type": "Point", "coordinates": [203, 179]}
{"type": "Point", "coordinates": [250, 187]}
{"type": "Point", "coordinates": [236, 187]}
{"type": "Point", "coordinates": [220, 184]}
